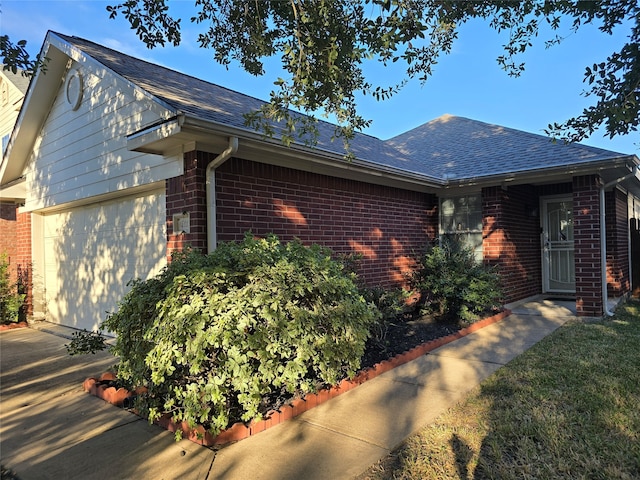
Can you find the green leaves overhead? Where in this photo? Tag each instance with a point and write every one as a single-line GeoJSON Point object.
{"type": "Point", "coordinates": [323, 46]}
{"type": "Point", "coordinates": [15, 57]}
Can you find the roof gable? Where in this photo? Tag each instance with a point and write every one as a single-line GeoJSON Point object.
{"type": "Point", "coordinates": [42, 93]}
{"type": "Point", "coordinates": [457, 148]}
{"type": "Point", "coordinates": [213, 103]}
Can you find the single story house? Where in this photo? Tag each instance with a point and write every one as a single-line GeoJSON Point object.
{"type": "Point", "coordinates": [114, 163]}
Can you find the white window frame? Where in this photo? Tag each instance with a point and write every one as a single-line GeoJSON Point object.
{"type": "Point", "coordinates": [5, 142]}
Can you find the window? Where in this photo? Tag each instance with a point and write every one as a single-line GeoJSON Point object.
{"type": "Point", "coordinates": [5, 142]}
{"type": "Point", "coordinates": [461, 220]}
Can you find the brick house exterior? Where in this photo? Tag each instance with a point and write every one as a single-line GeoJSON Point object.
{"type": "Point", "coordinates": [386, 226]}
{"type": "Point", "coordinates": [511, 241]}
{"type": "Point", "coordinates": [385, 206]}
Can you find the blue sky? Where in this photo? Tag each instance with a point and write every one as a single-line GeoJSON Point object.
{"type": "Point", "coordinates": [467, 83]}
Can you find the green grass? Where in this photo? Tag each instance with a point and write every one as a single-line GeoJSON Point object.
{"type": "Point", "coordinates": [569, 408]}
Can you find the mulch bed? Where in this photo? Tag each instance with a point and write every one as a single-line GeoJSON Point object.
{"type": "Point", "coordinates": [404, 333]}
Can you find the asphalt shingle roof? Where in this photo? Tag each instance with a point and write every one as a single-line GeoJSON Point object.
{"type": "Point", "coordinates": [19, 81]}
{"type": "Point", "coordinates": [456, 147]}
{"type": "Point", "coordinates": [448, 147]}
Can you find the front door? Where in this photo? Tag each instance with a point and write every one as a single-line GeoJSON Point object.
{"type": "Point", "coordinates": [558, 251]}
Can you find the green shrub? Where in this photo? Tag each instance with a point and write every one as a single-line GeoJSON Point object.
{"type": "Point", "coordinates": [455, 285]}
{"type": "Point", "coordinates": [213, 336]}
{"type": "Point", "coordinates": [390, 303]}
{"type": "Point", "coordinates": [84, 342]}
{"type": "Point", "coordinates": [11, 300]}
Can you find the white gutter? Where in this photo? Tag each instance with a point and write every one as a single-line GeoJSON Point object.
{"type": "Point", "coordinates": [211, 191]}
{"type": "Point", "coordinates": [603, 237]}
{"type": "Point", "coordinates": [315, 154]}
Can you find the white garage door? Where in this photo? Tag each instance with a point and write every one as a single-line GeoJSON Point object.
{"type": "Point", "coordinates": [91, 252]}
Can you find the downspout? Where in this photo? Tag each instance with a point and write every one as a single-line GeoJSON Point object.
{"type": "Point", "coordinates": [211, 191]}
{"type": "Point", "coordinates": [603, 238]}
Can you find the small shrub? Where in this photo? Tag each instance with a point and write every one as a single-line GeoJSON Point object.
{"type": "Point", "coordinates": [455, 285]}
{"type": "Point", "coordinates": [11, 300]}
{"type": "Point", "coordinates": [85, 342]}
{"type": "Point", "coordinates": [214, 335]}
{"type": "Point", "coordinates": [390, 303]}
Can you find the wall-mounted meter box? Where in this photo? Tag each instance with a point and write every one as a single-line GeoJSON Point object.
{"type": "Point", "coordinates": [181, 223]}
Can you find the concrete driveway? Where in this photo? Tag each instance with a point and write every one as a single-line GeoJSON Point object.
{"type": "Point", "coordinates": [51, 429]}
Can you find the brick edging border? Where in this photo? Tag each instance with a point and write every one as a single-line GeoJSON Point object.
{"type": "Point", "coordinates": [12, 326]}
{"type": "Point", "coordinates": [240, 431]}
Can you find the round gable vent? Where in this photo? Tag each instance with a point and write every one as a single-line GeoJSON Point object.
{"type": "Point", "coordinates": [73, 88]}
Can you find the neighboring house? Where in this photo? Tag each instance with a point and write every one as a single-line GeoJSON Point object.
{"type": "Point", "coordinates": [12, 90]}
{"type": "Point", "coordinates": [121, 162]}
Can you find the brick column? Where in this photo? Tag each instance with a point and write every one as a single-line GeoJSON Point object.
{"type": "Point", "coordinates": [25, 262]}
{"type": "Point", "coordinates": [186, 193]}
{"type": "Point", "coordinates": [8, 239]}
{"type": "Point", "coordinates": [618, 279]}
{"type": "Point", "coordinates": [586, 218]}
{"type": "Point", "coordinates": [16, 243]}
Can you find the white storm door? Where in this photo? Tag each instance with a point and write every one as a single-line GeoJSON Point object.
{"type": "Point", "coordinates": [558, 262]}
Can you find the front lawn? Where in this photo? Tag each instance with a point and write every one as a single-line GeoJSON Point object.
{"type": "Point", "coordinates": [567, 408]}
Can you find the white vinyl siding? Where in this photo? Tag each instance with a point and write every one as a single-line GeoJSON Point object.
{"type": "Point", "coordinates": [92, 251]}
{"type": "Point", "coordinates": [9, 108]}
{"type": "Point", "coordinates": [82, 153]}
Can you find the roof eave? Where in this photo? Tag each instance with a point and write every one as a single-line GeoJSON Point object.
{"type": "Point", "coordinates": [185, 133]}
{"type": "Point", "coordinates": [608, 168]}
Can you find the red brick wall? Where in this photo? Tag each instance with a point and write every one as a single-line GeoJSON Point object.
{"type": "Point", "coordinates": [187, 194]}
{"type": "Point", "coordinates": [511, 238]}
{"type": "Point", "coordinates": [618, 280]}
{"type": "Point", "coordinates": [586, 218]}
{"type": "Point", "coordinates": [387, 226]}
{"type": "Point", "coordinates": [15, 241]}
{"type": "Point", "coordinates": [24, 258]}
{"type": "Point", "coordinates": [8, 234]}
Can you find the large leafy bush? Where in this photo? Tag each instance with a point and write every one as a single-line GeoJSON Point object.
{"type": "Point", "coordinates": [454, 284]}
{"type": "Point", "coordinates": [213, 336]}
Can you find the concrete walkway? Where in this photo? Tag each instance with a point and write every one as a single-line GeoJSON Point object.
{"type": "Point", "coordinates": [50, 428]}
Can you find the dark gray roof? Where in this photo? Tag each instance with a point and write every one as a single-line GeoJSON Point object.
{"type": "Point", "coordinates": [448, 147]}
{"type": "Point", "coordinates": [19, 81]}
{"type": "Point", "coordinates": [456, 147]}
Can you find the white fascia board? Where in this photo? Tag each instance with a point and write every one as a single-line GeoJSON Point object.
{"type": "Point", "coordinates": [16, 190]}
{"type": "Point", "coordinates": [543, 174]}
{"type": "Point", "coordinates": [40, 95]}
{"type": "Point", "coordinates": [143, 140]}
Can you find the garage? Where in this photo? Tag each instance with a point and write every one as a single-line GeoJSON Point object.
{"type": "Point", "coordinates": [91, 252]}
